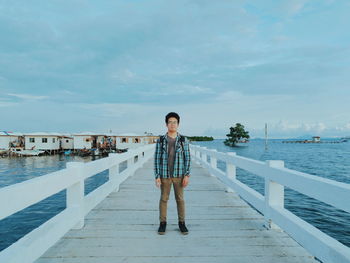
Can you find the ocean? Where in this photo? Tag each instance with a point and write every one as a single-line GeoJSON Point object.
{"type": "Point", "coordinates": [327, 160]}
{"type": "Point", "coordinates": [18, 169]}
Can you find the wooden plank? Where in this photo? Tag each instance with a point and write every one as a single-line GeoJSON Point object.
{"type": "Point", "coordinates": [179, 259]}
{"type": "Point", "coordinates": [222, 228]}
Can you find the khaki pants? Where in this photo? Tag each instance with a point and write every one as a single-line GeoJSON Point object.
{"type": "Point", "coordinates": [164, 197]}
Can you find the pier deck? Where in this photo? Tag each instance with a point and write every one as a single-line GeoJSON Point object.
{"type": "Point", "coordinates": [222, 228]}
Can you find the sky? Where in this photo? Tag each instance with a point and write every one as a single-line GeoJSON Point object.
{"type": "Point", "coordinates": [121, 66]}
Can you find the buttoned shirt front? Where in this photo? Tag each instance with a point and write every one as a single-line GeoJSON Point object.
{"type": "Point", "coordinates": [182, 158]}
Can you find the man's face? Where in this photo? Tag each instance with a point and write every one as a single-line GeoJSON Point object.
{"type": "Point", "coordinates": [172, 124]}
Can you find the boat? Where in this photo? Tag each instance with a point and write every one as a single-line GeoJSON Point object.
{"type": "Point", "coordinates": [69, 152]}
{"type": "Point", "coordinates": [95, 151]}
{"type": "Point", "coordinates": [21, 152]}
{"type": "Point", "coordinates": [84, 152]}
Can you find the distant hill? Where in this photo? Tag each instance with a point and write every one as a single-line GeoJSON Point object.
{"type": "Point", "coordinates": [200, 138]}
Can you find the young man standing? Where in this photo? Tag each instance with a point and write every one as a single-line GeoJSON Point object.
{"type": "Point", "coordinates": [172, 164]}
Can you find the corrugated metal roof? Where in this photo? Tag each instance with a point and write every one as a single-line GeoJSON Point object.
{"type": "Point", "coordinates": [87, 133]}
{"type": "Point", "coordinates": [5, 133]}
{"type": "Point", "coordinates": [130, 134]}
{"type": "Point", "coordinates": [42, 134]}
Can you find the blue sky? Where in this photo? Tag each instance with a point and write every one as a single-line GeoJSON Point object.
{"type": "Point", "coordinates": [71, 66]}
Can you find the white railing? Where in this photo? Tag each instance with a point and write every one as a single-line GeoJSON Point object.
{"type": "Point", "coordinates": [271, 205]}
{"type": "Point", "coordinates": [17, 197]}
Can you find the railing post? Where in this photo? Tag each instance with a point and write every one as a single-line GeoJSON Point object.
{"type": "Point", "coordinates": [230, 171]}
{"type": "Point", "coordinates": [142, 158]}
{"type": "Point", "coordinates": [148, 152]}
{"type": "Point", "coordinates": [213, 161]}
{"type": "Point", "coordinates": [198, 155]}
{"type": "Point", "coordinates": [274, 194]}
{"type": "Point", "coordinates": [113, 171]}
{"type": "Point", "coordinates": [204, 156]}
{"type": "Point", "coordinates": [75, 193]}
{"type": "Point", "coordinates": [143, 154]}
{"type": "Point", "coordinates": [194, 151]}
{"type": "Point", "coordinates": [130, 161]}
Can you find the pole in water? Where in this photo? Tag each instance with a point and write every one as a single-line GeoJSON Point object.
{"type": "Point", "coordinates": [265, 136]}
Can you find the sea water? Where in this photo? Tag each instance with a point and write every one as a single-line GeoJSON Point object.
{"type": "Point", "coordinates": [326, 160]}
{"type": "Point", "coordinates": [18, 169]}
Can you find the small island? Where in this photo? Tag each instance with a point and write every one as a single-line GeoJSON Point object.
{"type": "Point", "coordinates": [238, 136]}
{"type": "Point", "coordinates": [200, 138]}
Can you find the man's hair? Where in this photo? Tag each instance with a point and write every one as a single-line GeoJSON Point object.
{"type": "Point", "coordinates": [172, 114]}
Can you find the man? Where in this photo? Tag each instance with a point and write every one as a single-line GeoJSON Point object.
{"type": "Point", "coordinates": [172, 167]}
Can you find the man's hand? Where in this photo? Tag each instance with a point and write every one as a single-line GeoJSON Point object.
{"type": "Point", "coordinates": [158, 182]}
{"type": "Point", "coordinates": [185, 181]}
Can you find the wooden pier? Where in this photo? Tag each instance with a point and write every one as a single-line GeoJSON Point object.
{"type": "Point", "coordinates": [222, 228]}
{"type": "Point", "coordinates": [118, 221]}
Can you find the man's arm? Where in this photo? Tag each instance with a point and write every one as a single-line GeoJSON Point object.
{"type": "Point", "coordinates": [157, 160]}
{"type": "Point", "coordinates": [187, 158]}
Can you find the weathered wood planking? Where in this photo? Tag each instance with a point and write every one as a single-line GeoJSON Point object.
{"type": "Point", "coordinates": [222, 228]}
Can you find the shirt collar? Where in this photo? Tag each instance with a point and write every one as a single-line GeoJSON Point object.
{"type": "Point", "coordinates": [176, 138]}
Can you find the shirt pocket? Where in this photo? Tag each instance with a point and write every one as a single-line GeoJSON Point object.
{"type": "Point", "coordinates": [180, 153]}
{"type": "Point", "coordinates": [179, 149]}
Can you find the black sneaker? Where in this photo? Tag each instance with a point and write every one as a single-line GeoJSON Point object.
{"type": "Point", "coordinates": [162, 227]}
{"type": "Point", "coordinates": [183, 228]}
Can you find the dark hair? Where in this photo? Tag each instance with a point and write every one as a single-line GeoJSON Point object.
{"type": "Point", "coordinates": [172, 114]}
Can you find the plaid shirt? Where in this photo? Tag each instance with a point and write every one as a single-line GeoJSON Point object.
{"type": "Point", "coordinates": [182, 162]}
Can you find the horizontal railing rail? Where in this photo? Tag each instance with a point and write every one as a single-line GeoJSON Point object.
{"type": "Point", "coordinates": [271, 204]}
{"type": "Point", "coordinates": [17, 197]}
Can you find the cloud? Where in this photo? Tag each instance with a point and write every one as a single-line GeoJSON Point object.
{"type": "Point", "coordinates": [286, 126]}
{"type": "Point", "coordinates": [345, 127]}
{"type": "Point", "coordinates": [288, 129]}
{"type": "Point", "coordinates": [293, 7]}
{"type": "Point", "coordinates": [185, 89]}
{"type": "Point", "coordinates": [211, 118]}
{"type": "Point", "coordinates": [114, 110]}
{"type": "Point", "coordinates": [124, 75]}
{"type": "Point", "coordinates": [68, 92]}
{"type": "Point", "coordinates": [7, 103]}
{"type": "Point", "coordinates": [252, 101]}
{"type": "Point", "coordinates": [216, 62]}
{"type": "Point", "coordinates": [282, 9]}
{"type": "Point", "coordinates": [27, 96]}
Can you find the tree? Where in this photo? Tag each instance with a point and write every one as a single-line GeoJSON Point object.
{"type": "Point", "coordinates": [236, 134]}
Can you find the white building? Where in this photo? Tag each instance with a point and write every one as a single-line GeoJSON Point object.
{"type": "Point", "coordinates": [89, 140]}
{"type": "Point", "coordinates": [132, 140]}
{"type": "Point", "coordinates": [66, 142]}
{"type": "Point", "coordinates": [316, 139]}
{"type": "Point", "coordinates": [85, 140]}
{"type": "Point", "coordinates": [42, 141]}
{"type": "Point", "coordinates": [10, 138]}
